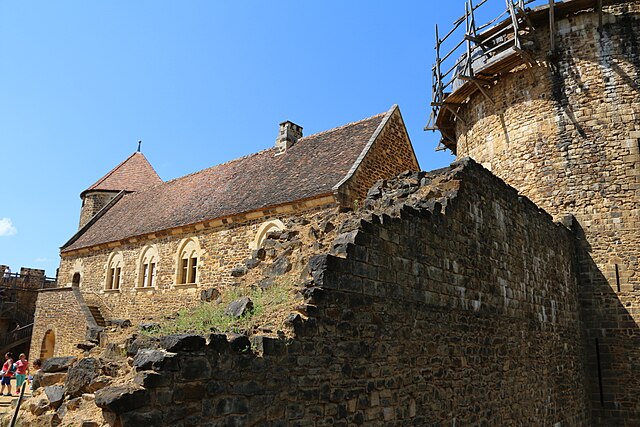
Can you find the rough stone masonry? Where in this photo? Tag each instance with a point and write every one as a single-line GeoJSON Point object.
{"type": "Point", "coordinates": [442, 302]}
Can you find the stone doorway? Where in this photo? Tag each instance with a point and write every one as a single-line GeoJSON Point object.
{"type": "Point", "coordinates": [48, 345]}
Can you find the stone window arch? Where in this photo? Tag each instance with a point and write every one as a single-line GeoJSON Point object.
{"type": "Point", "coordinates": [77, 271]}
{"type": "Point", "coordinates": [148, 267]}
{"type": "Point", "coordinates": [115, 265]}
{"type": "Point", "coordinates": [266, 227]}
{"type": "Point", "coordinates": [188, 261]}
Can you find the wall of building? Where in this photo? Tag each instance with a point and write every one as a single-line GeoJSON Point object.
{"type": "Point", "coordinates": [58, 311]}
{"type": "Point", "coordinates": [222, 249]}
{"type": "Point", "coordinates": [566, 133]}
{"type": "Point", "coordinates": [390, 155]}
{"type": "Point", "coordinates": [456, 315]}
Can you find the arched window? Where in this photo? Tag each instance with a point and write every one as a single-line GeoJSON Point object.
{"type": "Point", "coordinates": [77, 272]}
{"type": "Point", "coordinates": [115, 265]}
{"type": "Point", "coordinates": [188, 261]}
{"type": "Point", "coordinates": [265, 228]}
{"type": "Point", "coordinates": [148, 267]}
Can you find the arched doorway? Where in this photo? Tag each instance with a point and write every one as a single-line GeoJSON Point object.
{"type": "Point", "coordinates": [48, 345]}
{"type": "Point", "coordinates": [75, 281]}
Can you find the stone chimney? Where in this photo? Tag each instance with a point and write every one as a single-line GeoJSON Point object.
{"type": "Point", "coordinates": [289, 134]}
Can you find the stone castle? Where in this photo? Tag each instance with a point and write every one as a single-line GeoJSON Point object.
{"type": "Point", "coordinates": [443, 298]}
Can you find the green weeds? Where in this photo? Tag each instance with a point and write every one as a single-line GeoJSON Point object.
{"type": "Point", "coordinates": [268, 305]}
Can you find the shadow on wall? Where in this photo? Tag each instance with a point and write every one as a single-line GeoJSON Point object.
{"type": "Point", "coordinates": [612, 344]}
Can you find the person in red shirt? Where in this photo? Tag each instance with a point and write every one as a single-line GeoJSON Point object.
{"type": "Point", "coordinates": [7, 374]}
{"type": "Point", "coordinates": [22, 367]}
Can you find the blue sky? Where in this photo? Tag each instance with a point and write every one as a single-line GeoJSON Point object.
{"type": "Point", "coordinates": [198, 82]}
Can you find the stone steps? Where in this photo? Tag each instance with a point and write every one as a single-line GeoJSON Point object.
{"type": "Point", "coordinates": [97, 315]}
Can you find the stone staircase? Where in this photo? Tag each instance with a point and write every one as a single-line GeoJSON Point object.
{"type": "Point", "coordinates": [97, 315]}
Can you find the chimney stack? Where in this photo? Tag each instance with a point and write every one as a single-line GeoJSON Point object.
{"type": "Point", "coordinates": [289, 134]}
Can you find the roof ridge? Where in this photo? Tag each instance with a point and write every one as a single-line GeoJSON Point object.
{"type": "Point", "coordinates": [344, 126]}
{"type": "Point", "coordinates": [246, 156]}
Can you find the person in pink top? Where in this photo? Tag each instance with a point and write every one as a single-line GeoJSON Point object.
{"type": "Point", "coordinates": [7, 373]}
{"type": "Point", "coordinates": [22, 367]}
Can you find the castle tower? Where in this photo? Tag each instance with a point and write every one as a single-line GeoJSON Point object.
{"type": "Point", "coordinates": [133, 174]}
{"type": "Point", "coordinates": [549, 100]}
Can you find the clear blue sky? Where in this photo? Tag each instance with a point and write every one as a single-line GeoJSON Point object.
{"type": "Point", "coordinates": [200, 82]}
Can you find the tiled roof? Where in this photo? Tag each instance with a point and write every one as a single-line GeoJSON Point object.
{"type": "Point", "coordinates": [134, 174]}
{"type": "Point", "coordinates": [310, 168]}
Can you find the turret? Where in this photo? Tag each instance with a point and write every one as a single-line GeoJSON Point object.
{"type": "Point", "coordinates": [133, 174]}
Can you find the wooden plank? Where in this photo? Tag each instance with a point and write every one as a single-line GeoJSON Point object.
{"type": "Point", "coordinates": [599, 9]}
{"type": "Point", "coordinates": [552, 25]}
{"type": "Point", "coordinates": [453, 111]}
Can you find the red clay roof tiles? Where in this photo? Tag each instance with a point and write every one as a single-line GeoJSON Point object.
{"type": "Point", "coordinates": [310, 168]}
{"type": "Point", "coordinates": [133, 174]}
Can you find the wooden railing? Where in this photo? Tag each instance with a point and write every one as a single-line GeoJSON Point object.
{"type": "Point", "coordinates": [465, 50]}
{"type": "Point", "coordinates": [17, 335]}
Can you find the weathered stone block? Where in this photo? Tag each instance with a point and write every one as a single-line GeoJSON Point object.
{"type": "Point", "coordinates": [55, 395]}
{"type": "Point", "coordinates": [80, 376]}
{"type": "Point", "coordinates": [182, 342]}
{"type": "Point", "coordinates": [154, 359]}
{"type": "Point", "coordinates": [58, 364]}
{"type": "Point", "coordinates": [121, 399]}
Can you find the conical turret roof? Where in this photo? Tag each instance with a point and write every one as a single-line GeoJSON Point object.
{"type": "Point", "coordinates": [133, 174]}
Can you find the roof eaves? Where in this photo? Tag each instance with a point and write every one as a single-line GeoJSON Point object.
{"type": "Point", "coordinates": [264, 209]}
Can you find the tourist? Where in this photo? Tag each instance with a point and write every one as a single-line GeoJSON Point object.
{"type": "Point", "coordinates": [37, 364]}
{"type": "Point", "coordinates": [7, 374]}
{"type": "Point", "coordinates": [22, 367]}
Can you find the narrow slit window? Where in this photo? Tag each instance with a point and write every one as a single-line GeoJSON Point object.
{"type": "Point", "coordinates": [116, 278]}
{"type": "Point", "coordinates": [110, 278]}
{"type": "Point", "coordinates": [183, 271]}
{"type": "Point", "coordinates": [145, 274]}
{"type": "Point", "coordinates": [152, 274]}
{"type": "Point", "coordinates": [193, 270]}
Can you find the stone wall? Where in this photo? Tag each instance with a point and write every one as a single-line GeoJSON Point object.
{"type": "Point", "coordinates": [390, 154]}
{"type": "Point", "coordinates": [451, 308]}
{"type": "Point", "coordinates": [566, 133]}
{"type": "Point", "coordinates": [222, 249]}
{"type": "Point", "coordinates": [92, 202]}
{"type": "Point", "coordinates": [58, 311]}
{"type": "Point", "coordinates": [20, 291]}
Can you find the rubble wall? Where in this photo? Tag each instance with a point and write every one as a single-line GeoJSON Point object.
{"type": "Point", "coordinates": [451, 301]}
{"type": "Point", "coordinates": [566, 133]}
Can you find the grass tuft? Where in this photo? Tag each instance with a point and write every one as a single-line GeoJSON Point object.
{"type": "Point", "coordinates": [270, 306]}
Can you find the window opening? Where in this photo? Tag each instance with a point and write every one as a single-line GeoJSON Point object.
{"type": "Point", "coordinates": [114, 272]}
{"type": "Point", "coordinates": [188, 263]}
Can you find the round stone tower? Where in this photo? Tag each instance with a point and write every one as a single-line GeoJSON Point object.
{"type": "Point", "coordinates": [548, 99]}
